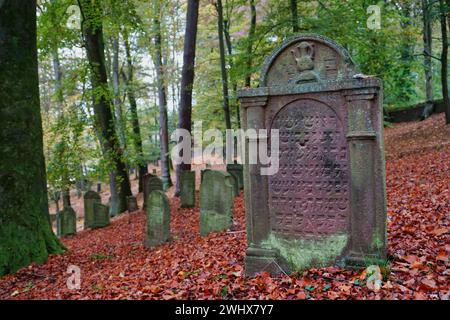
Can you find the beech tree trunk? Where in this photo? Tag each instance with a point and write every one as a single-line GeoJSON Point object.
{"type": "Point", "coordinates": [443, 8]}
{"type": "Point", "coordinates": [26, 235]}
{"type": "Point", "coordinates": [162, 99]}
{"type": "Point", "coordinates": [251, 39]}
{"type": "Point", "coordinates": [116, 87]}
{"type": "Point", "coordinates": [60, 101]}
{"type": "Point", "coordinates": [137, 138]}
{"type": "Point", "coordinates": [427, 56]}
{"type": "Point", "coordinates": [104, 120]}
{"type": "Point", "coordinates": [223, 66]}
{"type": "Point", "coordinates": [187, 79]}
{"type": "Point", "coordinates": [234, 101]}
{"type": "Point", "coordinates": [294, 17]}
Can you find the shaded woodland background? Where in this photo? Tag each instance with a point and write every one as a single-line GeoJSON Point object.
{"type": "Point", "coordinates": [116, 78]}
{"type": "Point", "coordinates": [143, 45]}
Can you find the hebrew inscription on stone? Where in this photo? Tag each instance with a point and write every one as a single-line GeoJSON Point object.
{"type": "Point", "coordinates": [309, 197]}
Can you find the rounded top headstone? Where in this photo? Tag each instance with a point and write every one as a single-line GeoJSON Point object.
{"type": "Point", "coordinates": [91, 195]}
{"type": "Point", "coordinates": [307, 58]}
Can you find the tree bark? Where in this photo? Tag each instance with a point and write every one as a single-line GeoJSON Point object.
{"type": "Point", "coordinates": [137, 138]}
{"type": "Point", "coordinates": [294, 17]}
{"type": "Point", "coordinates": [187, 79]}
{"type": "Point", "coordinates": [226, 30]}
{"type": "Point", "coordinates": [443, 7]}
{"type": "Point", "coordinates": [427, 56]}
{"type": "Point", "coordinates": [26, 235]}
{"type": "Point", "coordinates": [162, 98]}
{"type": "Point", "coordinates": [406, 52]}
{"type": "Point", "coordinates": [251, 39]}
{"type": "Point", "coordinates": [60, 101]}
{"type": "Point", "coordinates": [104, 121]}
{"type": "Point", "coordinates": [116, 88]}
{"type": "Point", "coordinates": [223, 67]}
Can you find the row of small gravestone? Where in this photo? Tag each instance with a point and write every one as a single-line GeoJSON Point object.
{"type": "Point", "coordinates": [96, 214]}
{"type": "Point", "coordinates": [217, 193]}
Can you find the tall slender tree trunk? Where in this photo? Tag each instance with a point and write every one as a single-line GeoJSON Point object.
{"type": "Point", "coordinates": [427, 56]}
{"type": "Point", "coordinates": [120, 124]}
{"type": "Point", "coordinates": [26, 235]}
{"type": "Point", "coordinates": [406, 50]}
{"type": "Point", "coordinates": [137, 138]}
{"type": "Point", "coordinates": [251, 39]}
{"type": "Point", "coordinates": [294, 16]}
{"type": "Point", "coordinates": [162, 98]}
{"type": "Point", "coordinates": [223, 66]}
{"type": "Point", "coordinates": [234, 102]}
{"type": "Point", "coordinates": [187, 79]}
{"type": "Point", "coordinates": [104, 120]}
{"type": "Point", "coordinates": [60, 101]}
{"type": "Point", "coordinates": [444, 7]}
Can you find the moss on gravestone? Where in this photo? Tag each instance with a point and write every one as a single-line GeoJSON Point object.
{"type": "Point", "coordinates": [158, 219]}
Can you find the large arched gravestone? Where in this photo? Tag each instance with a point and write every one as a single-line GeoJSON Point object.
{"type": "Point", "coordinates": [326, 204]}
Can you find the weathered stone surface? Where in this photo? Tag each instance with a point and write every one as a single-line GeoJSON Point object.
{"type": "Point", "coordinates": [187, 194]}
{"type": "Point", "coordinates": [101, 216]}
{"type": "Point", "coordinates": [326, 205]}
{"type": "Point", "coordinates": [235, 185]}
{"type": "Point", "coordinates": [151, 183]}
{"type": "Point", "coordinates": [202, 173]}
{"type": "Point", "coordinates": [158, 219]}
{"type": "Point", "coordinates": [132, 204]}
{"type": "Point", "coordinates": [90, 198]}
{"type": "Point", "coordinates": [216, 202]}
{"type": "Point", "coordinates": [237, 170]}
{"type": "Point", "coordinates": [114, 206]}
{"type": "Point", "coordinates": [66, 222]}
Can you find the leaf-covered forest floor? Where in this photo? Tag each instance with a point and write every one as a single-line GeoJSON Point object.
{"type": "Point", "coordinates": [115, 265]}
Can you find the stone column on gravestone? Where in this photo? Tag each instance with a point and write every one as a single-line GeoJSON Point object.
{"type": "Point", "coordinates": [187, 189]}
{"type": "Point", "coordinates": [259, 226]}
{"type": "Point", "coordinates": [90, 198]}
{"type": "Point", "coordinates": [368, 223]}
{"type": "Point", "coordinates": [257, 214]}
{"type": "Point", "coordinates": [158, 219]}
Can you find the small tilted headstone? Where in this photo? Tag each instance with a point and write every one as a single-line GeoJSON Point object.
{"type": "Point", "coordinates": [187, 194]}
{"type": "Point", "coordinates": [216, 202]}
{"type": "Point", "coordinates": [151, 183]}
{"type": "Point", "coordinates": [132, 204]}
{"type": "Point", "coordinates": [158, 219]}
{"type": "Point", "coordinates": [66, 222]}
{"type": "Point", "coordinates": [237, 170]}
{"type": "Point", "coordinates": [101, 216]}
{"type": "Point", "coordinates": [90, 198]}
